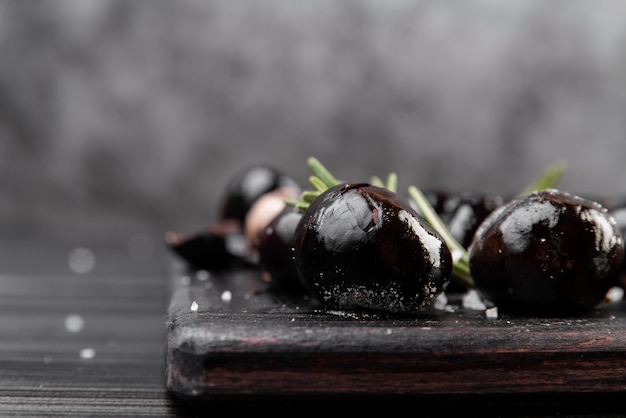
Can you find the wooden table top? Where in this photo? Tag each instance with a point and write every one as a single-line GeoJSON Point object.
{"type": "Point", "coordinates": [83, 331]}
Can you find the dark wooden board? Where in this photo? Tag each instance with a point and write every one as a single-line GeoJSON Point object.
{"type": "Point", "coordinates": [247, 343]}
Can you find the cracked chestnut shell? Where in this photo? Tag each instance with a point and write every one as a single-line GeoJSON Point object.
{"type": "Point", "coordinates": [549, 252]}
{"type": "Point", "coordinates": [362, 247]}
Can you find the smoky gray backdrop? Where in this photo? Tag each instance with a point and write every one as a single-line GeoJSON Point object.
{"type": "Point", "coordinates": [122, 114]}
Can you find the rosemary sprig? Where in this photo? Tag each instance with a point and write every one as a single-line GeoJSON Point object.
{"type": "Point", "coordinates": [391, 183]}
{"type": "Point", "coordinates": [548, 178]}
{"type": "Point", "coordinates": [322, 179]}
{"type": "Point", "coordinates": [321, 172]}
{"type": "Point", "coordinates": [460, 258]}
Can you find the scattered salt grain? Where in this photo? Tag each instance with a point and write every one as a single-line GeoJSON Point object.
{"type": "Point", "coordinates": [226, 296]}
{"type": "Point", "coordinates": [81, 260]}
{"type": "Point", "coordinates": [194, 306]}
{"type": "Point", "coordinates": [472, 300]}
{"type": "Point", "coordinates": [491, 313]}
{"type": "Point", "coordinates": [74, 323]}
{"type": "Point", "coordinates": [441, 302]}
{"type": "Point", "coordinates": [87, 353]}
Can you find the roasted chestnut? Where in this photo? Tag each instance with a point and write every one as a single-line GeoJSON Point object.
{"type": "Point", "coordinates": [363, 247]}
{"type": "Point", "coordinates": [548, 252]}
{"type": "Point", "coordinates": [247, 186]}
{"type": "Point", "coordinates": [617, 209]}
{"type": "Point", "coordinates": [226, 242]}
{"type": "Point", "coordinates": [274, 247]}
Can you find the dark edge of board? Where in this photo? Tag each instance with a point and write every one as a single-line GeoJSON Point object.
{"type": "Point", "coordinates": [233, 340]}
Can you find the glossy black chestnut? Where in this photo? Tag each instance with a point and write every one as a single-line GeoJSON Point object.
{"type": "Point", "coordinates": [247, 186]}
{"type": "Point", "coordinates": [470, 211]}
{"type": "Point", "coordinates": [363, 247]}
{"type": "Point", "coordinates": [461, 212]}
{"type": "Point", "coordinates": [617, 209]}
{"type": "Point", "coordinates": [274, 246]}
{"type": "Point", "coordinates": [548, 252]}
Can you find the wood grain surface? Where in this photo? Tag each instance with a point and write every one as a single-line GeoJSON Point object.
{"type": "Point", "coordinates": [82, 343]}
{"type": "Point", "coordinates": [115, 341]}
{"type": "Point", "coordinates": [233, 339]}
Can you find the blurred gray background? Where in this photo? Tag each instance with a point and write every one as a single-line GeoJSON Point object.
{"type": "Point", "coordinates": [120, 115]}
